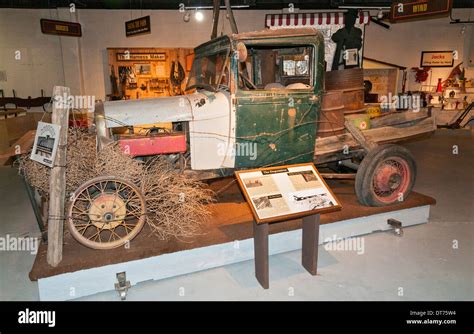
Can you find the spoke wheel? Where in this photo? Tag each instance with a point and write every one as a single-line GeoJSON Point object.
{"type": "Point", "coordinates": [385, 176]}
{"type": "Point", "coordinates": [106, 212]}
{"type": "Point", "coordinates": [391, 178]}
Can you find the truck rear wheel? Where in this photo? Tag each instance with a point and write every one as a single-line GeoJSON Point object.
{"type": "Point", "coordinates": [385, 176]}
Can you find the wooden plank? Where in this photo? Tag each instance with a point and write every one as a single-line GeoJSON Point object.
{"type": "Point", "coordinates": [57, 182]}
{"type": "Point", "coordinates": [11, 112]}
{"type": "Point", "coordinates": [4, 140]}
{"type": "Point", "coordinates": [18, 126]}
{"type": "Point", "coordinates": [342, 176]}
{"type": "Point", "coordinates": [21, 146]}
{"type": "Point", "coordinates": [310, 243]}
{"type": "Point", "coordinates": [379, 135]}
{"type": "Point", "coordinates": [260, 240]}
{"type": "Point", "coordinates": [366, 143]}
{"type": "Point", "coordinates": [398, 118]}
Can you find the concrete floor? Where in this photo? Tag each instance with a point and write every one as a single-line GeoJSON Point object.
{"type": "Point", "coordinates": [424, 264]}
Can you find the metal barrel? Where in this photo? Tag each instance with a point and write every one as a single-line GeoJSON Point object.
{"type": "Point", "coordinates": [350, 84]}
{"type": "Point", "coordinates": [344, 79]}
{"type": "Point", "coordinates": [331, 119]}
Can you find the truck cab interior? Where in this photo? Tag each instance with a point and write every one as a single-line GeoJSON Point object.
{"type": "Point", "coordinates": [273, 68]}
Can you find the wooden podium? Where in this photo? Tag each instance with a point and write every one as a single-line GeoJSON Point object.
{"type": "Point", "coordinates": [278, 194]}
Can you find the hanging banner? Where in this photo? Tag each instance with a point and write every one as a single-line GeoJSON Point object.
{"type": "Point", "coordinates": [46, 143]}
{"type": "Point", "coordinates": [419, 9]}
{"type": "Point", "coordinates": [63, 28]}
{"type": "Point", "coordinates": [138, 26]}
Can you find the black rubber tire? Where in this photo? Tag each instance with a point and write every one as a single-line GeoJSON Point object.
{"type": "Point", "coordinates": [368, 166]}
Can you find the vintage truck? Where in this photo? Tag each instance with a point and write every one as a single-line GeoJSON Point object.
{"type": "Point", "coordinates": [254, 100]}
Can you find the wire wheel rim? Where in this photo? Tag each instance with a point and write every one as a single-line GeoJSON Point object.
{"type": "Point", "coordinates": [391, 179]}
{"type": "Point", "coordinates": [106, 213]}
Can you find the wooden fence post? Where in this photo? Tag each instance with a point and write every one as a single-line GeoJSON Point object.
{"type": "Point", "coordinates": [57, 182]}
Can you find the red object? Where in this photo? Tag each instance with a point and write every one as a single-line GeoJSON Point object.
{"type": "Point", "coordinates": [391, 179]}
{"type": "Point", "coordinates": [310, 19]}
{"type": "Point", "coordinates": [421, 73]}
{"type": "Point", "coordinates": [78, 120]}
{"type": "Point", "coordinates": [153, 145]}
{"type": "Point", "coordinates": [439, 89]}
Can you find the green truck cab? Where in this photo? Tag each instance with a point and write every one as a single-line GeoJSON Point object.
{"type": "Point", "coordinates": [278, 88]}
{"type": "Point", "coordinates": [253, 101]}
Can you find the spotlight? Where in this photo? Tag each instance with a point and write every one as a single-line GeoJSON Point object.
{"type": "Point", "coordinates": [380, 14]}
{"type": "Point", "coordinates": [187, 16]}
{"type": "Point", "coordinates": [463, 29]}
{"type": "Point", "coordinates": [199, 16]}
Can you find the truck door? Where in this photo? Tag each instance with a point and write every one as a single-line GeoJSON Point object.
{"type": "Point", "coordinates": [276, 107]}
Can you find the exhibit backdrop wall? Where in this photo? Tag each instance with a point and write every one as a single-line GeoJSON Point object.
{"type": "Point", "coordinates": [31, 61]}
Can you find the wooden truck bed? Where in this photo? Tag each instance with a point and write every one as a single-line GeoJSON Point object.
{"type": "Point", "coordinates": [389, 128]}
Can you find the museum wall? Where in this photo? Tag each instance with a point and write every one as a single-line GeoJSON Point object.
{"type": "Point", "coordinates": [403, 43]}
{"type": "Point", "coordinates": [48, 60]}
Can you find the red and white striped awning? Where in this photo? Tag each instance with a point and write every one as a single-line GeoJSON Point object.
{"type": "Point", "coordinates": [310, 19]}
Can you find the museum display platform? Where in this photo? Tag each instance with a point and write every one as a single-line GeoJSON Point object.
{"type": "Point", "coordinates": [227, 238]}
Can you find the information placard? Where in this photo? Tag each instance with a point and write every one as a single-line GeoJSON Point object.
{"type": "Point", "coordinates": [286, 192]}
{"type": "Point", "coordinates": [46, 143]}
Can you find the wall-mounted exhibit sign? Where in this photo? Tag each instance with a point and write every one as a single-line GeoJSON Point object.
{"type": "Point", "coordinates": [286, 192]}
{"type": "Point", "coordinates": [63, 28]}
{"type": "Point", "coordinates": [46, 143]}
{"type": "Point", "coordinates": [437, 59]}
{"type": "Point", "coordinates": [134, 56]}
{"type": "Point", "coordinates": [138, 26]}
{"type": "Point", "coordinates": [419, 9]}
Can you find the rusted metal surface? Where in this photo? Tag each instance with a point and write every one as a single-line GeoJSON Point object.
{"type": "Point", "coordinates": [339, 176]}
{"type": "Point", "coordinates": [331, 120]}
{"type": "Point", "coordinates": [160, 144]}
{"type": "Point", "coordinates": [353, 100]}
{"type": "Point", "coordinates": [282, 123]}
{"type": "Point", "coordinates": [344, 79]}
{"type": "Point", "coordinates": [215, 17]}
{"type": "Point", "coordinates": [147, 111]}
{"type": "Point", "coordinates": [332, 100]}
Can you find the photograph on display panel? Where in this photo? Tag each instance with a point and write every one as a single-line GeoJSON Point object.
{"type": "Point", "coordinates": [286, 192]}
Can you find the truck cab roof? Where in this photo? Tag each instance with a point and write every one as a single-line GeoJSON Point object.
{"type": "Point", "coordinates": [311, 35]}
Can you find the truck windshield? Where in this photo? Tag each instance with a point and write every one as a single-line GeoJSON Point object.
{"type": "Point", "coordinates": [210, 72]}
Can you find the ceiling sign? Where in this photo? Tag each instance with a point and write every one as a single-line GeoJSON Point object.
{"type": "Point", "coordinates": [125, 56]}
{"type": "Point", "coordinates": [63, 28]}
{"type": "Point", "coordinates": [419, 9]}
{"type": "Point", "coordinates": [437, 59]}
{"type": "Point", "coordinates": [138, 26]}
